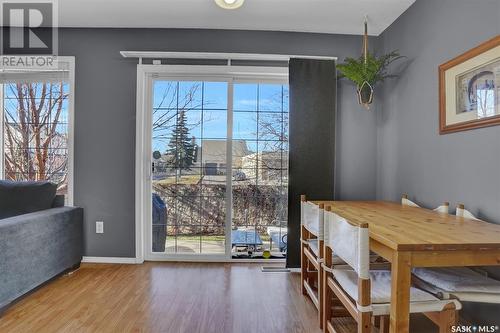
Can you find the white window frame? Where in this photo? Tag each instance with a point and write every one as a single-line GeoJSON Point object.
{"type": "Point", "coordinates": [70, 62]}
{"type": "Point", "coordinates": [146, 74]}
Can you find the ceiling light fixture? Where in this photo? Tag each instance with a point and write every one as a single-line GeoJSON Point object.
{"type": "Point", "coordinates": [229, 4]}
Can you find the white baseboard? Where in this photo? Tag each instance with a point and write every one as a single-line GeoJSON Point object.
{"type": "Point", "coordinates": [125, 260]}
{"type": "Point", "coordinates": [110, 260]}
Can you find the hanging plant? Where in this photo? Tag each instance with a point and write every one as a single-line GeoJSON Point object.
{"type": "Point", "coordinates": [367, 70]}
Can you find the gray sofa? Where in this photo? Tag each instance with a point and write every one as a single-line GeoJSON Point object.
{"type": "Point", "coordinates": [39, 237]}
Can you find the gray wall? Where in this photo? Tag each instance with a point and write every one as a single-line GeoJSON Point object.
{"type": "Point", "coordinates": [105, 118]}
{"type": "Point", "coordinates": [411, 156]}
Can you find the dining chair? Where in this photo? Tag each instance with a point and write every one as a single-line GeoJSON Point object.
{"type": "Point", "coordinates": [354, 293]}
{"type": "Point", "coordinates": [462, 212]}
{"type": "Point", "coordinates": [444, 208]}
{"type": "Point", "coordinates": [312, 231]}
{"type": "Point", "coordinates": [311, 251]}
{"type": "Point", "coordinates": [463, 283]}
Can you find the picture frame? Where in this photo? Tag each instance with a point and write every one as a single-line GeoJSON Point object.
{"type": "Point", "coordinates": [469, 89]}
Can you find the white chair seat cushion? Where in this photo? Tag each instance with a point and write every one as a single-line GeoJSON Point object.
{"type": "Point", "coordinates": [380, 286]}
{"type": "Point", "coordinates": [458, 279]}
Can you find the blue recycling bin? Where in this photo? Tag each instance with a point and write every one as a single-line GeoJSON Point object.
{"type": "Point", "coordinates": [159, 223]}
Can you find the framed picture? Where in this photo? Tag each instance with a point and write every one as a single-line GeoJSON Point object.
{"type": "Point", "coordinates": [469, 89]}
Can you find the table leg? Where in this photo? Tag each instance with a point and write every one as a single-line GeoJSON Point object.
{"type": "Point", "coordinates": [400, 292]}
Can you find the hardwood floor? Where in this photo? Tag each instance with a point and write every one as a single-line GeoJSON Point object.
{"type": "Point", "coordinates": [166, 297]}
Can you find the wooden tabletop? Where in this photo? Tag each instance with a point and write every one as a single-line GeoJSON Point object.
{"type": "Point", "coordinates": [406, 228]}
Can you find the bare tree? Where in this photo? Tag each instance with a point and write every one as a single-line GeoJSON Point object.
{"type": "Point", "coordinates": [35, 144]}
{"type": "Point", "coordinates": [272, 133]}
{"type": "Point", "coordinates": [172, 103]}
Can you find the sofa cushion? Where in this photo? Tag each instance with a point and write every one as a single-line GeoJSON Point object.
{"type": "Point", "coordinates": [17, 198]}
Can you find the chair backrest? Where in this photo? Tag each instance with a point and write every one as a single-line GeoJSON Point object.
{"type": "Point", "coordinates": [349, 242]}
{"type": "Point", "coordinates": [407, 202]}
{"type": "Point", "coordinates": [312, 218]}
{"type": "Point", "coordinates": [444, 208]}
{"type": "Point", "coordinates": [462, 212]}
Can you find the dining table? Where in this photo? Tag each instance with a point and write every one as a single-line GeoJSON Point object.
{"type": "Point", "coordinates": [411, 237]}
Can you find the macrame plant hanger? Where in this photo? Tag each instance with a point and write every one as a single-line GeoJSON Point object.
{"type": "Point", "coordinates": [365, 90]}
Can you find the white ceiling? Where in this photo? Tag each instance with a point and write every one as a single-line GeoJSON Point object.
{"type": "Point", "coordinates": [324, 16]}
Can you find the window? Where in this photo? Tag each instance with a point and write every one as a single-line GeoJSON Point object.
{"type": "Point", "coordinates": [260, 185]}
{"type": "Point", "coordinates": [36, 127]}
{"type": "Point", "coordinates": [190, 167]}
{"type": "Point", "coordinates": [216, 138]}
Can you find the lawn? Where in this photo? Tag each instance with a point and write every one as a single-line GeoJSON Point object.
{"type": "Point", "coordinates": [265, 237]}
{"type": "Point", "coordinates": [185, 180]}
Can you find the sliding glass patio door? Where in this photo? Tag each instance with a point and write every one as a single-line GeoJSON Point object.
{"type": "Point", "coordinates": [218, 152]}
{"type": "Point", "coordinates": [189, 167]}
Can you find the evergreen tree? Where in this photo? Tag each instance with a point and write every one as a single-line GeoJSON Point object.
{"type": "Point", "coordinates": [181, 146]}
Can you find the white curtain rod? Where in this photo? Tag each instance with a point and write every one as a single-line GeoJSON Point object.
{"type": "Point", "coordinates": [220, 56]}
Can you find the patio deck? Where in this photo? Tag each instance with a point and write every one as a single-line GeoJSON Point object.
{"type": "Point", "coordinates": [191, 245]}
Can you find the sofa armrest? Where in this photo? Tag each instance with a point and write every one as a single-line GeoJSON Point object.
{"type": "Point", "coordinates": [42, 215]}
{"type": "Point", "coordinates": [36, 247]}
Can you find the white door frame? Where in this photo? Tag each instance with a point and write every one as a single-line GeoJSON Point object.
{"type": "Point", "coordinates": [146, 74]}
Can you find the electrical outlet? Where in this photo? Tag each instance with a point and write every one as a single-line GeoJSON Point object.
{"type": "Point", "coordinates": [99, 227]}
